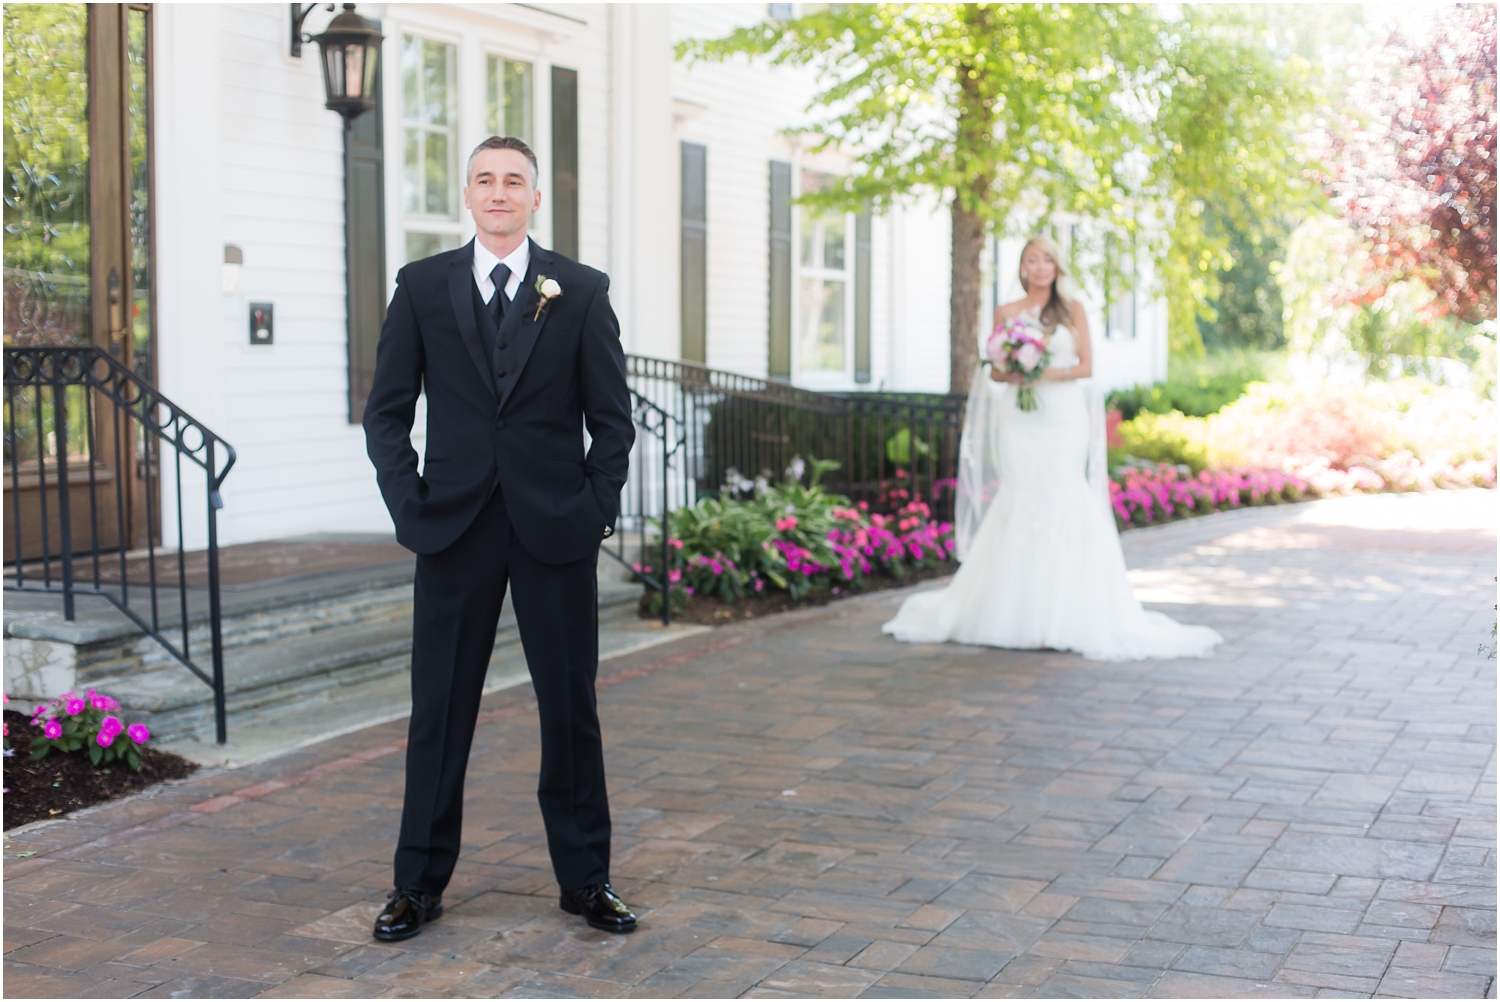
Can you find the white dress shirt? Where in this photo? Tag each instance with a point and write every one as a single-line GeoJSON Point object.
{"type": "Point", "coordinates": [484, 262]}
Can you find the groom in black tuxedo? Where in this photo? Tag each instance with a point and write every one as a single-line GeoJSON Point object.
{"type": "Point", "coordinates": [517, 350]}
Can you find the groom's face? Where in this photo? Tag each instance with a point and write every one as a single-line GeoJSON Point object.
{"type": "Point", "coordinates": [500, 194]}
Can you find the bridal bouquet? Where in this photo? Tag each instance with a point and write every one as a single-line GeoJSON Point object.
{"type": "Point", "coordinates": [1020, 348]}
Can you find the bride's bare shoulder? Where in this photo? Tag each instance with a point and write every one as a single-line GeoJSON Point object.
{"type": "Point", "coordinates": [1011, 310]}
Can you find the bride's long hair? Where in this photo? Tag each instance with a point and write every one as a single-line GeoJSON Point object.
{"type": "Point", "coordinates": [1059, 308]}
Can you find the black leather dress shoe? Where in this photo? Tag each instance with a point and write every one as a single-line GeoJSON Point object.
{"type": "Point", "coordinates": [405, 913]}
{"type": "Point", "coordinates": [600, 908]}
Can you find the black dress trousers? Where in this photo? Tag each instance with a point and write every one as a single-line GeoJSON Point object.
{"type": "Point", "coordinates": [457, 598]}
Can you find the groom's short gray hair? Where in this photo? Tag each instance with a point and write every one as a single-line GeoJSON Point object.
{"type": "Point", "coordinates": [506, 143]}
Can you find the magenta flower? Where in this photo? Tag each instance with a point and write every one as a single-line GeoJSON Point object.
{"type": "Point", "coordinates": [73, 707]}
{"type": "Point", "coordinates": [106, 738]}
{"type": "Point", "coordinates": [53, 730]}
{"type": "Point", "coordinates": [111, 726]}
{"type": "Point", "coordinates": [139, 733]}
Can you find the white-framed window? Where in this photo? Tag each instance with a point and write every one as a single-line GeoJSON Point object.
{"type": "Point", "coordinates": [456, 75]}
{"type": "Point", "coordinates": [823, 312]}
{"type": "Point", "coordinates": [509, 105]}
{"type": "Point", "coordinates": [430, 171]}
{"type": "Point", "coordinates": [1120, 282]}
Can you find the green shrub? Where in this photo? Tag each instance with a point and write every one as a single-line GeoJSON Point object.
{"type": "Point", "coordinates": [796, 538]}
{"type": "Point", "coordinates": [1161, 438]}
{"type": "Point", "coordinates": [1197, 389]}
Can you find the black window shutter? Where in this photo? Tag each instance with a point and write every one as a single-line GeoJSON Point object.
{"type": "Point", "coordinates": [565, 161]}
{"type": "Point", "coordinates": [694, 252]}
{"type": "Point", "coordinates": [364, 246]}
{"type": "Point", "coordinates": [862, 298]}
{"type": "Point", "coordinates": [781, 271]}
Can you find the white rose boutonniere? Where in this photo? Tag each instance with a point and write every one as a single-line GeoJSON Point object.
{"type": "Point", "coordinates": [547, 290]}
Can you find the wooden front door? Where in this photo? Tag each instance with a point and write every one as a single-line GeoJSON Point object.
{"type": "Point", "coordinates": [78, 261]}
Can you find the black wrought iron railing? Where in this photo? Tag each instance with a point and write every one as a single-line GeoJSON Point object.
{"type": "Point", "coordinates": [97, 461]}
{"type": "Point", "coordinates": [702, 431]}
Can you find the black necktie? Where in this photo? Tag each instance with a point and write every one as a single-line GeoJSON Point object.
{"type": "Point", "coordinates": [500, 275]}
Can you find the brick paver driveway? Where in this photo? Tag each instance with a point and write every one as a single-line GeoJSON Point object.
{"type": "Point", "coordinates": [806, 808]}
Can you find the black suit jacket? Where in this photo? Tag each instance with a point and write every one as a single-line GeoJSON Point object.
{"type": "Point", "coordinates": [525, 429]}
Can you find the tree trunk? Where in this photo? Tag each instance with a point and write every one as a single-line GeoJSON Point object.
{"type": "Point", "coordinates": [979, 82]}
{"type": "Point", "coordinates": [964, 298]}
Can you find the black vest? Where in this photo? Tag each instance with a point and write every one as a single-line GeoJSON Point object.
{"type": "Point", "coordinates": [498, 355]}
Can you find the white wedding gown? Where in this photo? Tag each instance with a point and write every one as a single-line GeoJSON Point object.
{"type": "Point", "coordinates": [1041, 558]}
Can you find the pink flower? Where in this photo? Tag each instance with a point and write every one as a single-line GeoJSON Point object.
{"type": "Point", "coordinates": [53, 730]}
{"type": "Point", "coordinates": [106, 738]}
{"type": "Point", "coordinates": [139, 733]}
{"type": "Point", "coordinates": [73, 707]}
{"type": "Point", "coordinates": [111, 726]}
{"type": "Point", "coordinates": [783, 524]}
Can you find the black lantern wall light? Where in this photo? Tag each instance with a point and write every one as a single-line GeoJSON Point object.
{"type": "Point", "coordinates": [350, 51]}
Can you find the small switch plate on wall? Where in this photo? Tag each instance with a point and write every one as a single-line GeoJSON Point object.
{"type": "Point", "coordinates": [262, 326]}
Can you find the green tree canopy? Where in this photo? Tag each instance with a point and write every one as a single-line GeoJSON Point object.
{"type": "Point", "coordinates": [1010, 112]}
{"type": "Point", "coordinates": [46, 137]}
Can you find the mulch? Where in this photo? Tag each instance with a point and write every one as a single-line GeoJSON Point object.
{"type": "Point", "coordinates": [708, 610]}
{"type": "Point", "coordinates": [59, 784]}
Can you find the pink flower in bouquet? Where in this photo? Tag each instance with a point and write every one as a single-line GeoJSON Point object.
{"type": "Point", "coordinates": [1029, 356]}
{"type": "Point", "coordinates": [1003, 340]}
{"type": "Point", "coordinates": [1016, 348]}
{"type": "Point", "coordinates": [53, 730]}
{"type": "Point", "coordinates": [139, 733]}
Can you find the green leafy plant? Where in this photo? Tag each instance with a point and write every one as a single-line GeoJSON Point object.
{"type": "Point", "coordinates": [798, 538]}
{"type": "Point", "coordinates": [1162, 438]}
{"type": "Point", "coordinates": [72, 723]}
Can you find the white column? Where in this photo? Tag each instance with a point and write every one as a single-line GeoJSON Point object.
{"type": "Point", "coordinates": [646, 202]}
{"type": "Point", "coordinates": [194, 319]}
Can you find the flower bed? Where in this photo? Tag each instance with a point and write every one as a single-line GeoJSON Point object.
{"type": "Point", "coordinates": [1149, 495]}
{"type": "Point", "coordinates": [800, 541]}
{"type": "Point", "coordinates": [73, 723]}
{"type": "Point", "coordinates": [1285, 443]}
{"type": "Point", "coordinates": [49, 787]}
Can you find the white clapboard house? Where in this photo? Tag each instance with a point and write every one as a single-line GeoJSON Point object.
{"type": "Point", "coordinates": [235, 246]}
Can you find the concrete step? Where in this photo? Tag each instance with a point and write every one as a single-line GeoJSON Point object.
{"type": "Point", "coordinates": [310, 662]}
{"type": "Point", "coordinates": [247, 631]}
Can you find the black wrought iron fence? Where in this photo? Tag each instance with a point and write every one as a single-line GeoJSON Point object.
{"type": "Point", "coordinates": [702, 431]}
{"type": "Point", "coordinates": [91, 450]}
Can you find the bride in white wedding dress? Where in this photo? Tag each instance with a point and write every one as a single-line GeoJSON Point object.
{"type": "Point", "coordinates": [1041, 558]}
